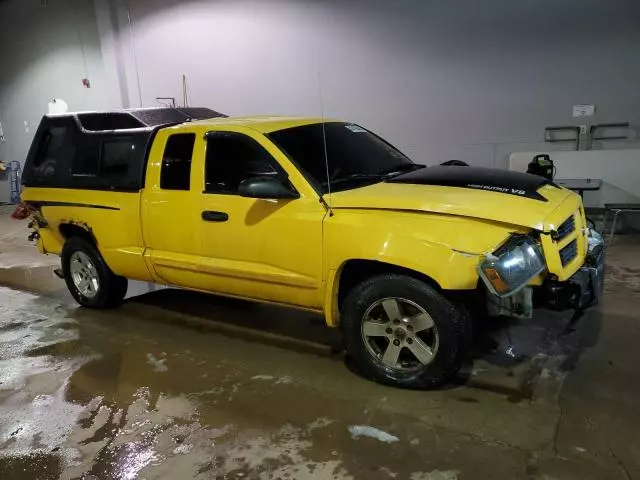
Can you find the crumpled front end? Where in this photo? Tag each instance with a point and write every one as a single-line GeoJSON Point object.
{"type": "Point", "coordinates": [560, 267]}
{"type": "Point", "coordinates": [584, 288]}
{"type": "Point", "coordinates": [575, 256]}
{"type": "Point", "coordinates": [565, 239]}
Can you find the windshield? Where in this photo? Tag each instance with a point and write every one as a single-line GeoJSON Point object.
{"type": "Point", "coordinates": [356, 157]}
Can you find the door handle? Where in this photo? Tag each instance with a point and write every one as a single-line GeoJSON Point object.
{"type": "Point", "coordinates": [209, 216]}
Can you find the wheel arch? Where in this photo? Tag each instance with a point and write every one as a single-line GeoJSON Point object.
{"type": "Point", "coordinates": [352, 272]}
{"type": "Point", "coordinates": [71, 229]}
{"type": "Point", "coordinates": [110, 289]}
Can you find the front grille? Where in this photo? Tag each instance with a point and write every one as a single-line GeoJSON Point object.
{"type": "Point", "coordinates": [569, 252]}
{"type": "Point", "coordinates": [566, 228]}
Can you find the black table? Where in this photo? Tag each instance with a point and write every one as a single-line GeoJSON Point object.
{"type": "Point", "coordinates": [580, 185]}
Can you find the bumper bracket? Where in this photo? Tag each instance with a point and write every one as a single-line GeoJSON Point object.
{"type": "Point", "coordinates": [582, 290]}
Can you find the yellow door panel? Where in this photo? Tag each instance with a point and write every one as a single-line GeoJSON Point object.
{"type": "Point", "coordinates": [171, 217]}
{"type": "Point", "coordinates": [272, 247]}
{"type": "Point", "coordinates": [259, 272]}
{"type": "Point", "coordinates": [266, 249]}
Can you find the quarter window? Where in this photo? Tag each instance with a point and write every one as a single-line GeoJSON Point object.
{"type": "Point", "coordinates": [176, 162]}
{"type": "Point", "coordinates": [86, 162]}
{"type": "Point", "coordinates": [116, 157]}
{"type": "Point", "coordinates": [232, 158]}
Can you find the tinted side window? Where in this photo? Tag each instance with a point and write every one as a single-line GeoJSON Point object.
{"type": "Point", "coordinates": [176, 162]}
{"type": "Point", "coordinates": [232, 158]}
{"type": "Point", "coordinates": [87, 159]}
{"type": "Point", "coordinates": [116, 157]}
{"type": "Point", "coordinates": [109, 162]}
{"type": "Point", "coordinates": [51, 152]}
{"type": "Point", "coordinates": [63, 157]}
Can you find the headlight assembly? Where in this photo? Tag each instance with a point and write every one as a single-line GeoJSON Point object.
{"type": "Point", "coordinates": [596, 242]}
{"type": "Point", "coordinates": [512, 266]}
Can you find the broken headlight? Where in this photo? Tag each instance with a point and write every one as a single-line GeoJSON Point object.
{"type": "Point", "coordinates": [512, 266]}
{"type": "Point", "coordinates": [595, 241]}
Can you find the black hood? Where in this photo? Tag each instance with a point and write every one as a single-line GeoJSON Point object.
{"type": "Point", "coordinates": [491, 179]}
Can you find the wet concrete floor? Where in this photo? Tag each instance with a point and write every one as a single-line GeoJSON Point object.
{"type": "Point", "coordinates": [180, 385]}
{"type": "Point", "coordinates": [117, 396]}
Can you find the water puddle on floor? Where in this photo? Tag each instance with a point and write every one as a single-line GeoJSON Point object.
{"type": "Point", "coordinates": [119, 394]}
{"type": "Point", "coordinates": [93, 393]}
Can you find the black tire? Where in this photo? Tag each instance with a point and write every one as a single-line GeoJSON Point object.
{"type": "Point", "coordinates": [111, 287]}
{"type": "Point", "coordinates": [452, 327]}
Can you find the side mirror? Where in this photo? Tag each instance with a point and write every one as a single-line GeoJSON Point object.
{"type": "Point", "coordinates": [267, 188]}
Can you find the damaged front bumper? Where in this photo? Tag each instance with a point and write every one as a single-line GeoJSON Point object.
{"type": "Point", "coordinates": [583, 289]}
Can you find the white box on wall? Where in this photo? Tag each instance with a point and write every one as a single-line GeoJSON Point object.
{"type": "Point", "coordinates": [584, 110]}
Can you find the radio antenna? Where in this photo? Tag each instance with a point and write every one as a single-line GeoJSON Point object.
{"type": "Point", "coordinates": [326, 156]}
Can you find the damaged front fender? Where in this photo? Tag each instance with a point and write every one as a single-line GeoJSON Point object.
{"type": "Point", "coordinates": [447, 249]}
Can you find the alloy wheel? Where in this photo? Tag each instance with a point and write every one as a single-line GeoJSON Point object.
{"type": "Point", "coordinates": [400, 334]}
{"type": "Point", "coordinates": [84, 274]}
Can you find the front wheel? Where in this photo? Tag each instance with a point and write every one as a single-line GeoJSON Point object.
{"type": "Point", "coordinates": [88, 277]}
{"type": "Point", "coordinates": [402, 332]}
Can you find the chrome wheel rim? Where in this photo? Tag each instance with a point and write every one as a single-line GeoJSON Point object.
{"type": "Point", "coordinates": [84, 274]}
{"type": "Point", "coordinates": [400, 334]}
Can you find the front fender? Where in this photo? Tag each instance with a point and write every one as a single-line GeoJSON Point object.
{"type": "Point", "coordinates": [445, 248]}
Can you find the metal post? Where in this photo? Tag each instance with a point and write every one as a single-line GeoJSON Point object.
{"type": "Point", "coordinates": [604, 221]}
{"type": "Point", "coordinates": [613, 225]}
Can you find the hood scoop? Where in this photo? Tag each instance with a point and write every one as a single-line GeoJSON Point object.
{"type": "Point", "coordinates": [489, 179]}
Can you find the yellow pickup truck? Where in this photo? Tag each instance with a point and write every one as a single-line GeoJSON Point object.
{"type": "Point", "coordinates": [312, 213]}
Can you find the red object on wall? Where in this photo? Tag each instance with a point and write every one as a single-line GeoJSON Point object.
{"type": "Point", "coordinates": [86, 83]}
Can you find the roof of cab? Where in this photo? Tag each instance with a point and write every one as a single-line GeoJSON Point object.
{"type": "Point", "coordinates": [263, 124]}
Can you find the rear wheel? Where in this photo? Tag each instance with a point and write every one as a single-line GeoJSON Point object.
{"type": "Point", "coordinates": [402, 332]}
{"type": "Point", "coordinates": [88, 278]}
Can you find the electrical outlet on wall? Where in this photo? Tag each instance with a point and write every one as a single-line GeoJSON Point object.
{"type": "Point", "coordinates": [583, 130]}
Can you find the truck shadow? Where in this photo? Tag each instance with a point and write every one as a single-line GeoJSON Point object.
{"type": "Point", "coordinates": [505, 357]}
{"type": "Point", "coordinates": [242, 317]}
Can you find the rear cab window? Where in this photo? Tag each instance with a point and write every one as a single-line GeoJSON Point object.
{"type": "Point", "coordinates": [175, 173]}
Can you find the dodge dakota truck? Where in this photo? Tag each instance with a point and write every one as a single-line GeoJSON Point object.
{"type": "Point", "coordinates": [311, 213]}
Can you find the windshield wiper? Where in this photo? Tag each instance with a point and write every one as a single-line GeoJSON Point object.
{"type": "Point", "coordinates": [409, 167]}
{"type": "Point", "coordinates": [385, 174]}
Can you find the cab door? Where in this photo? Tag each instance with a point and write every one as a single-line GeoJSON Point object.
{"type": "Point", "coordinates": [170, 209]}
{"type": "Point", "coordinates": [268, 249]}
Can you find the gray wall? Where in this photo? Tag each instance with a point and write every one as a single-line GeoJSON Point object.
{"type": "Point", "coordinates": [45, 53]}
{"type": "Point", "coordinates": [457, 79]}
